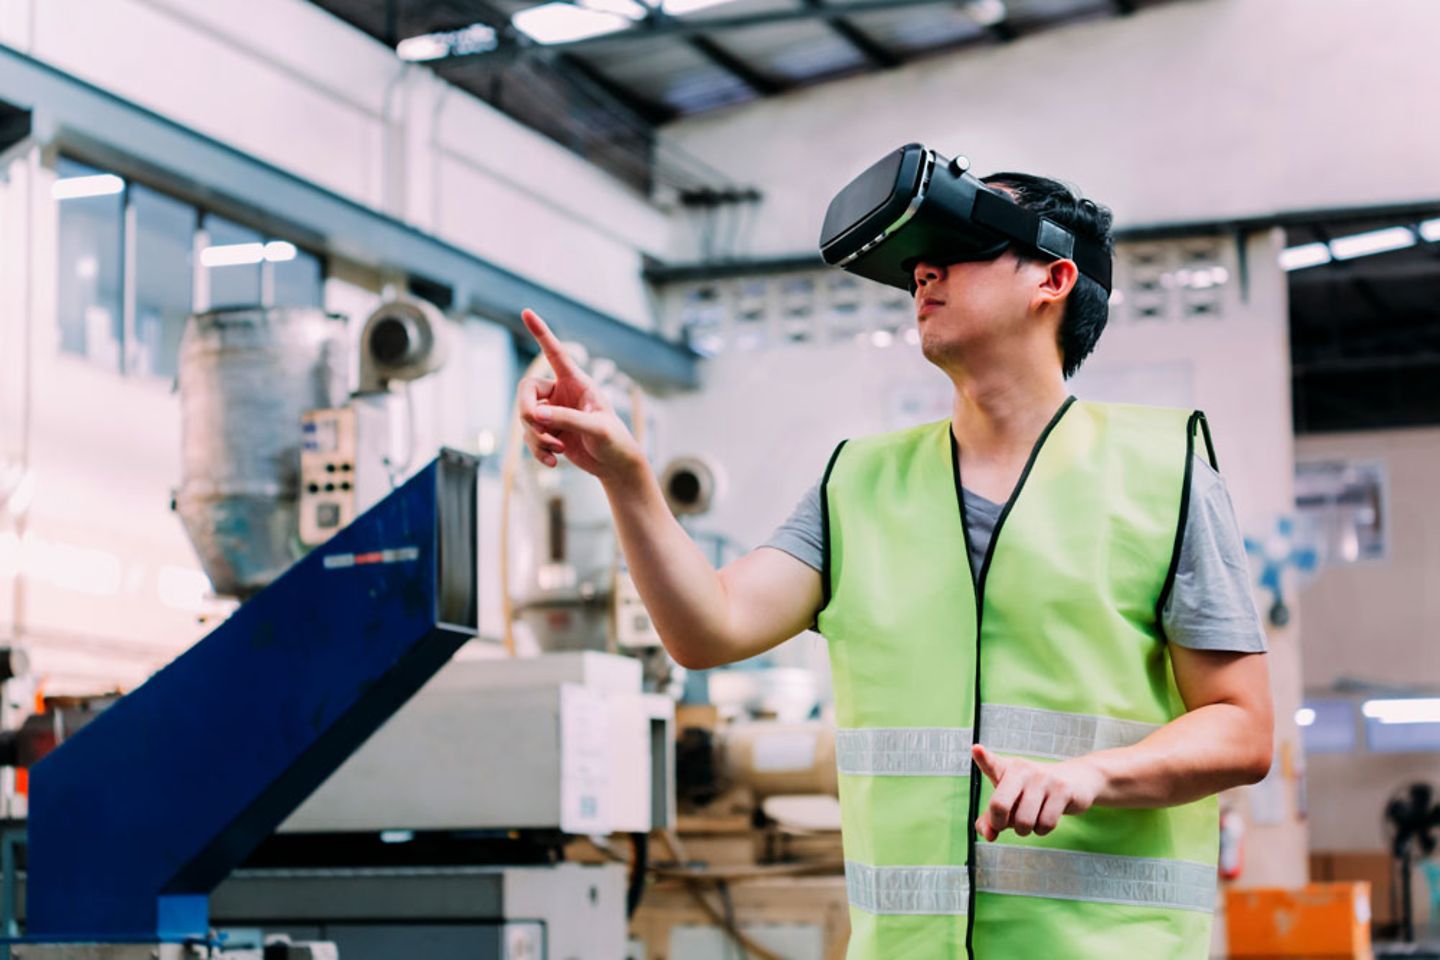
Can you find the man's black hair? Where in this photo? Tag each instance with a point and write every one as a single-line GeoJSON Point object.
{"type": "Point", "coordinates": [1088, 306]}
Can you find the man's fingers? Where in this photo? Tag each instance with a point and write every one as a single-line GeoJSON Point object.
{"type": "Point", "coordinates": [1027, 811]}
{"type": "Point", "coordinates": [989, 764]}
{"type": "Point", "coordinates": [560, 361]}
{"type": "Point", "coordinates": [589, 422]}
{"type": "Point", "coordinates": [1002, 801]}
{"type": "Point", "coordinates": [543, 447]}
{"type": "Point", "coordinates": [1049, 816]}
{"type": "Point", "coordinates": [983, 827]}
{"type": "Point", "coordinates": [530, 392]}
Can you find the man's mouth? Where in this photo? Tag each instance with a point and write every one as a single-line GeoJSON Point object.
{"type": "Point", "coordinates": [927, 305]}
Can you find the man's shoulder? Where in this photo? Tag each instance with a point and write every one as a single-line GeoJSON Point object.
{"type": "Point", "coordinates": [900, 437]}
{"type": "Point", "coordinates": [1137, 413]}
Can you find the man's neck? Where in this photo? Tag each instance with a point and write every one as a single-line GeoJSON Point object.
{"type": "Point", "coordinates": [1000, 411]}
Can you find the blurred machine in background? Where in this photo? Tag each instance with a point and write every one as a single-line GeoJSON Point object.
{"type": "Point", "coordinates": [562, 571]}
{"type": "Point", "coordinates": [422, 807]}
{"type": "Point", "coordinates": [451, 830]}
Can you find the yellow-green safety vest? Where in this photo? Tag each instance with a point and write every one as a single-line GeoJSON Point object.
{"type": "Point", "coordinates": [1053, 649]}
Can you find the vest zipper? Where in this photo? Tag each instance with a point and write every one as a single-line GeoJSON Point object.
{"type": "Point", "coordinates": [978, 581]}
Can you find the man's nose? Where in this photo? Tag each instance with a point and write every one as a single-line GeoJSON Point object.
{"type": "Point", "coordinates": [926, 273]}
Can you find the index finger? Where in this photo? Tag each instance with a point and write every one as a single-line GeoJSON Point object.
{"type": "Point", "coordinates": [560, 361]}
{"type": "Point", "coordinates": [987, 763]}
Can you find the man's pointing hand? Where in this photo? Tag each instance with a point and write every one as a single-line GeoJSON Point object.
{"type": "Point", "coordinates": [570, 415]}
{"type": "Point", "coordinates": [1030, 796]}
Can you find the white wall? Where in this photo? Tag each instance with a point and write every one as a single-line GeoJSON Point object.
{"type": "Point", "coordinates": [1192, 111]}
{"type": "Point", "coordinates": [1376, 621]}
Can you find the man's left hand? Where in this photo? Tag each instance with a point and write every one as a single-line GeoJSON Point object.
{"type": "Point", "coordinates": [1030, 796]}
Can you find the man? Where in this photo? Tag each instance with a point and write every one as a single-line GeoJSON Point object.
{"type": "Point", "coordinates": [1091, 646]}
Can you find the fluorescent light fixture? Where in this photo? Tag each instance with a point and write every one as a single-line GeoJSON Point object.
{"type": "Point", "coordinates": [882, 338]}
{"type": "Point", "coordinates": [566, 23]}
{"type": "Point", "coordinates": [1408, 710]}
{"type": "Point", "coordinates": [1430, 230]}
{"type": "Point", "coordinates": [1304, 716]}
{"type": "Point", "coordinates": [678, 8]}
{"type": "Point", "coordinates": [74, 188]}
{"type": "Point", "coordinates": [912, 337]}
{"type": "Point", "coordinates": [1305, 255]}
{"type": "Point", "coordinates": [278, 251]}
{"type": "Point", "coordinates": [629, 9]}
{"type": "Point", "coordinates": [232, 254]}
{"type": "Point", "coordinates": [476, 38]}
{"type": "Point", "coordinates": [396, 836]}
{"type": "Point", "coordinates": [1372, 242]}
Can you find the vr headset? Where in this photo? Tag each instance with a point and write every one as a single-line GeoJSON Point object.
{"type": "Point", "coordinates": [917, 205]}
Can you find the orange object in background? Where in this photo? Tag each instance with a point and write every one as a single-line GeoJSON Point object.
{"type": "Point", "coordinates": [1320, 920]}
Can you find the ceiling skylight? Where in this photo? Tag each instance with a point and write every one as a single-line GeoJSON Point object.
{"type": "Point", "coordinates": [567, 22]}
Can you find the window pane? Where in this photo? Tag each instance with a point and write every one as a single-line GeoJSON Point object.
{"type": "Point", "coordinates": [91, 219]}
{"type": "Point", "coordinates": [232, 262]}
{"type": "Point", "coordinates": [299, 281]}
{"type": "Point", "coordinates": [164, 237]}
{"type": "Point", "coordinates": [1343, 502]}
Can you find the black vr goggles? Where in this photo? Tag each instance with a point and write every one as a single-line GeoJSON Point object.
{"type": "Point", "coordinates": [917, 205]}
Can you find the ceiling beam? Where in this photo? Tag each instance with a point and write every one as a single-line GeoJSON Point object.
{"type": "Point", "coordinates": [1002, 31]}
{"type": "Point", "coordinates": [733, 65]}
{"type": "Point", "coordinates": [867, 45]}
{"type": "Point", "coordinates": [574, 68]}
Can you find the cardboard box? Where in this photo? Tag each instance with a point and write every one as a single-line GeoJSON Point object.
{"type": "Point", "coordinates": [1320, 921]}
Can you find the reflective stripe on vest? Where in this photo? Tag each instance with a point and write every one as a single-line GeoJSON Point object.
{"type": "Point", "coordinates": [925, 890]}
{"type": "Point", "coordinates": [1096, 877]}
{"type": "Point", "coordinates": [945, 751]}
{"type": "Point", "coordinates": [1034, 872]}
{"type": "Point", "coordinates": [1059, 736]}
{"type": "Point", "coordinates": [904, 751]}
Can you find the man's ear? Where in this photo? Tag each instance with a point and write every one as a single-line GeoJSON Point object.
{"type": "Point", "coordinates": [1059, 279]}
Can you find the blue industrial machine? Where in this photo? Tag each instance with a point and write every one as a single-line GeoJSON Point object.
{"type": "Point", "coordinates": [137, 818]}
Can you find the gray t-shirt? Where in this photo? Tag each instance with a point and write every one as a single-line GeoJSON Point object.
{"type": "Point", "coordinates": [1210, 607]}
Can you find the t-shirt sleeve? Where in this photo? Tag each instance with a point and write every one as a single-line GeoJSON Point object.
{"type": "Point", "coordinates": [802, 535]}
{"type": "Point", "coordinates": [1210, 606]}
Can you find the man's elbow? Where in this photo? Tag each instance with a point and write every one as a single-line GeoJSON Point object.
{"type": "Point", "coordinates": [695, 656]}
{"type": "Point", "coordinates": [692, 661]}
{"type": "Point", "coordinates": [1261, 753]}
{"type": "Point", "coordinates": [1258, 764]}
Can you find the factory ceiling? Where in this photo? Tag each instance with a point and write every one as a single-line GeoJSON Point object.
{"type": "Point", "coordinates": [1364, 329]}
{"type": "Point", "coordinates": [600, 76]}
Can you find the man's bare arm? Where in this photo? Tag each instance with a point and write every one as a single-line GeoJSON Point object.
{"type": "Point", "coordinates": [705, 618]}
{"type": "Point", "coordinates": [1223, 740]}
